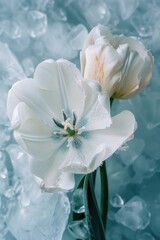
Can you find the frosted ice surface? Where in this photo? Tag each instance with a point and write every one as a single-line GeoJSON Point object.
{"type": "Point", "coordinates": [28, 66]}
{"type": "Point", "coordinates": [97, 12]}
{"type": "Point", "coordinates": [76, 36]}
{"type": "Point", "coordinates": [56, 39]}
{"type": "Point", "coordinates": [145, 236]}
{"type": "Point", "coordinates": [77, 201]}
{"type": "Point", "coordinates": [79, 229]}
{"type": "Point", "coordinates": [11, 29]}
{"type": "Point", "coordinates": [10, 68]}
{"type": "Point", "coordinates": [134, 214]}
{"type": "Point", "coordinates": [127, 7]}
{"type": "Point", "coordinates": [31, 31]}
{"type": "Point", "coordinates": [116, 201]}
{"type": "Point", "coordinates": [36, 214]}
{"type": "Point", "coordinates": [37, 220]}
{"type": "Point", "coordinates": [136, 147]}
{"type": "Point", "coordinates": [36, 23]}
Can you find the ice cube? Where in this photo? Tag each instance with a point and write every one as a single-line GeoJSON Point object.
{"type": "Point", "coordinates": [145, 236]}
{"type": "Point", "coordinates": [36, 23]}
{"type": "Point", "coordinates": [127, 8]}
{"type": "Point", "coordinates": [78, 201]}
{"type": "Point", "coordinates": [56, 41]}
{"type": "Point", "coordinates": [77, 36]}
{"type": "Point", "coordinates": [97, 13]}
{"type": "Point", "coordinates": [11, 29]}
{"type": "Point", "coordinates": [79, 229]}
{"type": "Point", "coordinates": [116, 201]}
{"type": "Point", "coordinates": [10, 69]}
{"type": "Point", "coordinates": [28, 66]}
{"type": "Point", "coordinates": [134, 214]}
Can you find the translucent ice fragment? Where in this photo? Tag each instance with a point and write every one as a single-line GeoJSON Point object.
{"type": "Point", "coordinates": [127, 7]}
{"type": "Point", "coordinates": [3, 228]}
{"type": "Point", "coordinates": [40, 4]}
{"type": "Point", "coordinates": [144, 167]}
{"type": "Point", "coordinates": [143, 27]}
{"type": "Point", "coordinates": [36, 23]}
{"type": "Point", "coordinates": [97, 13]}
{"type": "Point", "coordinates": [28, 66]}
{"type": "Point", "coordinates": [11, 29]}
{"type": "Point", "coordinates": [56, 41]}
{"type": "Point", "coordinates": [10, 69]}
{"type": "Point", "coordinates": [76, 36]}
{"type": "Point", "coordinates": [45, 219]}
{"type": "Point", "coordinates": [134, 214]}
{"type": "Point", "coordinates": [5, 135]}
{"type": "Point", "coordinates": [135, 148]}
{"type": "Point", "coordinates": [116, 201]}
{"type": "Point", "coordinates": [145, 236]}
{"type": "Point", "coordinates": [115, 234]}
{"type": "Point", "coordinates": [79, 229]}
{"type": "Point", "coordinates": [78, 201]}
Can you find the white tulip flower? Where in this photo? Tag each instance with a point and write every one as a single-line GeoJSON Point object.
{"type": "Point", "coordinates": [121, 64]}
{"type": "Point", "coordinates": [64, 123]}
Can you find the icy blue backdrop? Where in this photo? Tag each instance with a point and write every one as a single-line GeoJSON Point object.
{"type": "Point", "coordinates": [31, 31]}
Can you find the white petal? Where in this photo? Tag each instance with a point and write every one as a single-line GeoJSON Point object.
{"type": "Point", "coordinates": [99, 35]}
{"type": "Point", "coordinates": [52, 177]}
{"type": "Point", "coordinates": [34, 135]}
{"type": "Point", "coordinates": [59, 84]}
{"type": "Point", "coordinates": [25, 91]}
{"type": "Point", "coordinates": [132, 65]}
{"type": "Point", "coordinates": [134, 44]}
{"type": "Point", "coordinates": [103, 64]}
{"type": "Point", "coordinates": [99, 115]}
{"type": "Point", "coordinates": [99, 145]}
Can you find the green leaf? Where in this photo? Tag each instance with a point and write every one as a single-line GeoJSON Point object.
{"type": "Point", "coordinates": [104, 193]}
{"type": "Point", "coordinates": [92, 212]}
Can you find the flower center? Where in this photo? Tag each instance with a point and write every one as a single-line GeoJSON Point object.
{"type": "Point", "coordinates": [70, 128]}
{"type": "Point", "coordinates": [67, 125]}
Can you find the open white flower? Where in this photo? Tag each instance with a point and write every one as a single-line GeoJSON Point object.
{"type": "Point", "coordinates": [121, 64]}
{"type": "Point", "coordinates": [64, 123]}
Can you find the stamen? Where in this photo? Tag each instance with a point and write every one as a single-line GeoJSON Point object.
{"type": "Point", "coordinates": [60, 125]}
{"type": "Point", "coordinates": [64, 115]}
{"type": "Point", "coordinates": [59, 134]}
{"type": "Point", "coordinates": [74, 119]}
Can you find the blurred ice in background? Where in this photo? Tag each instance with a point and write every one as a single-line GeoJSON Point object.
{"type": "Point", "coordinates": [33, 30]}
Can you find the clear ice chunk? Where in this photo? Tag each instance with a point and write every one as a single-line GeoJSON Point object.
{"type": "Point", "coordinates": [133, 151]}
{"type": "Point", "coordinates": [115, 234]}
{"type": "Point", "coordinates": [46, 218]}
{"type": "Point", "coordinates": [127, 8]}
{"type": "Point", "coordinates": [144, 167]}
{"type": "Point", "coordinates": [10, 68]}
{"type": "Point", "coordinates": [78, 201]}
{"type": "Point", "coordinates": [76, 36]}
{"type": "Point", "coordinates": [79, 229]}
{"type": "Point", "coordinates": [3, 105]}
{"type": "Point", "coordinates": [116, 201]}
{"type": "Point", "coordinates": [145, 236]}
{"type": "Point", "coordinates": [36, 23]}
{"type": "Point", "coordinates": [97, 13]}
{"type": "Point", "coordinates": [28, 66]}
{"type": "Point", "coordinates": [141, 25]}
{"type": "Point", "coordinates": [11, 29]}
{"type": "Point", "coordinates": [56, 39]}
{"type": "Point", "coordinates": [134, 214]}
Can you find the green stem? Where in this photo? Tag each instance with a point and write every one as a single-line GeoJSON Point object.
{"type": "Point", "coordinates": [104, 193]}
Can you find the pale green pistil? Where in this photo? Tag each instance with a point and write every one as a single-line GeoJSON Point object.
{"type": "Point", "coordinates": [67, 125]}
